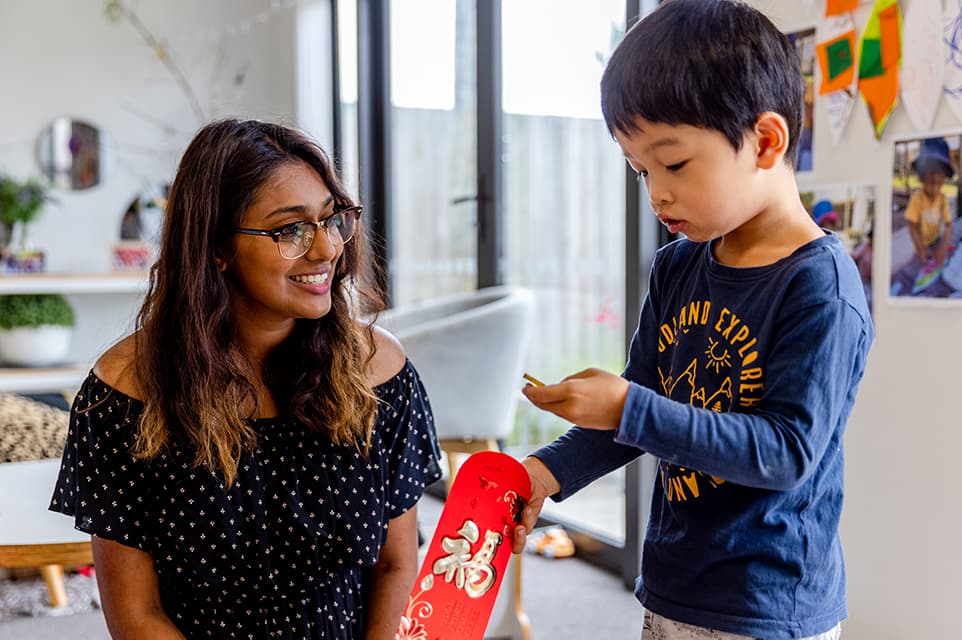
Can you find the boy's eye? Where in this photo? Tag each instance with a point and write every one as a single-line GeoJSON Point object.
{"type": "Point", "coordinates": [677, 166]}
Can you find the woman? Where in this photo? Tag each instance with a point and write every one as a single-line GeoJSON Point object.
{"type": "Point", "coordinates": [249, 460]}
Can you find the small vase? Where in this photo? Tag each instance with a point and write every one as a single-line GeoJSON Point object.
{"type": "Point", "coordinates": [42, 346]}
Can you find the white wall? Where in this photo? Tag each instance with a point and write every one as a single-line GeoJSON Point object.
{"type": "Point", "coordinates": [64, 57]}
{"type": "Point", "coordinates": [903, 513]}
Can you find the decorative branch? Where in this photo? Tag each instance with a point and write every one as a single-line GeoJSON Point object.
{"type": "Point", "coordinates": [117, 10]}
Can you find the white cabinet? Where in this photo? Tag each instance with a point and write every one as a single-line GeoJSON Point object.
{"type": "Point", "coordinates": [105, 306]}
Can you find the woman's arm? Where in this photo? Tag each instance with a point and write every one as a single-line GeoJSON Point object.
{"type": "Point", "coordinates": [129, 593]}
{"type": "Point", "coordinates": [393, 576]}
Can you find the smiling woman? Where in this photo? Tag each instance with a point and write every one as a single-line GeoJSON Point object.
{"type": "Point", "coordinates": [279, 442]}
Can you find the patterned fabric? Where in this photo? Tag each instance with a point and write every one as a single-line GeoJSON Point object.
{"type": "Point", "coordinates": [281, 553]}
{"type": "Point", "coordinates": [30, 430]}
{"type": "Point", "coordinates": [660, 628]}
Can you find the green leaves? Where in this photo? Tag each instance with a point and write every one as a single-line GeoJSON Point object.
{"type": "Point", "coordinates": [35, 310]}
{"type": "Point", "coordinates": [21, 201]}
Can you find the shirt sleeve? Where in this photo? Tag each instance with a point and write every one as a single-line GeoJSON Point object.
{"type": "Point", "coordinates": [816, 356]}
{"type": "Point", "coordinates": [100, 483]}
{"type": "Point", "coordinates": [410, 439]}
{"type": "Point", "coordinates": [913, 210]}
{"type": "Point", "coordinates": [581, 456]}
{"type": "Point", "coordinates": [946, 213]}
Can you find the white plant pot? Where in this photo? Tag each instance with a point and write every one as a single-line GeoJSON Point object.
{"type": "Point", "coordinates": [35, 346]}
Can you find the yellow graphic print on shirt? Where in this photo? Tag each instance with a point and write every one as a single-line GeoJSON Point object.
{"type": "Point", "coordinates": [719, 374]}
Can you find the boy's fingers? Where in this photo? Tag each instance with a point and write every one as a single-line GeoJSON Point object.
{"type": "Point", "coordinates": [547, 393]}
{"type": "Point", "coordinates": [520, 539]}
{"type": "Point", "coordinates": [584, 373]}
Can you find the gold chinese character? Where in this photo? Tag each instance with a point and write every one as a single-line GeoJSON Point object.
{"type": "Point", "coordinates": [475, 574]}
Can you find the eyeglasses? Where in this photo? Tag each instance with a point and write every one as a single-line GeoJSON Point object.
{"type": "Point", "coordinates": [295, 239]}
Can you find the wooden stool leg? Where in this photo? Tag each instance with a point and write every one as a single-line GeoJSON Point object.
{"type": "Point", "coordinates": [53, 576]}
{"type": "Point", "coordinates": [518, 605]}
{"type": "Point", "coordinates": [452, 448]}
{"type": "Point", "coordinates": [453, 463]}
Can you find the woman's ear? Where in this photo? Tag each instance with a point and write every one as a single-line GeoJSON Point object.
{"type": "Point", "coordinates": [771, 139]}
{"type": "Point", "coordinates": [221, 264]}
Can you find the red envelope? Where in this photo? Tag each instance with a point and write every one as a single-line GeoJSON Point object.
{"type": "Point", "coordinates": [459, 579]}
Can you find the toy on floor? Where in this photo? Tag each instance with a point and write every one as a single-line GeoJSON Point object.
{"type": "Point", "coordinates": [552, 542]}
{"type": "Point", "coordinates": [928, 274]}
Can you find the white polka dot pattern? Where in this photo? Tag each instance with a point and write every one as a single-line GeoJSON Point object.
{"type": "Point", "coordinates": [282, 552]}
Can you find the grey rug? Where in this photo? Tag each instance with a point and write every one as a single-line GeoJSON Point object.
{"type": "Point", "coordinates": [22, 597]}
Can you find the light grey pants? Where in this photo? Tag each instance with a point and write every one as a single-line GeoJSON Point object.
{"type": "Point", "coordinates": [660, 628]}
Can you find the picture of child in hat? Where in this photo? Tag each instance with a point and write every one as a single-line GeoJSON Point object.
{"type": "Point", "coordinates": [928, 213]}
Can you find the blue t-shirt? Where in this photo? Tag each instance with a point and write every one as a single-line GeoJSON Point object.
{"type": "Point", "coordinates": [742, 382]}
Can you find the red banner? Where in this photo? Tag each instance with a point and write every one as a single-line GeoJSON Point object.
{"type": "Point", "coordinates": [466, 560]}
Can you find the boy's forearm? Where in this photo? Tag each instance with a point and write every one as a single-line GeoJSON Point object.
{"type": "Point", "coordinates": [580, 456]}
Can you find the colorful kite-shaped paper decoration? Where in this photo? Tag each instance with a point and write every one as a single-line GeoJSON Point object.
{"type": "Point", "coordinates": [923, 63]}
{"type": "Point", "coordinates": [836, 59]}
{"type": "Point", "coordinates": [839, 87]}
{"type": "Point", "coordinates": [880, 54]}
{"type": "Point", "coordinates": [836, 7]}
{"type": "Point", "coordinates": [952, 39]}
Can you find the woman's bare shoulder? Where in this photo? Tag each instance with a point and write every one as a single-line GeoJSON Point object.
{"type": "Point", "coordinates": [116, 367]}
{"type": "Point", "coordinates": [388, 360]}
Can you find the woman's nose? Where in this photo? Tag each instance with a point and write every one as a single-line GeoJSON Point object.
{"type": "Point", "coordinates": [324, 246]}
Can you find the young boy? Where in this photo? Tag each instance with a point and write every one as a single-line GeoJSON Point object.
{"type": "Point", "coordinates": [752, 340]}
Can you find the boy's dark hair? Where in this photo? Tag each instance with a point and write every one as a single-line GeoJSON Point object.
{"type": "Point", "coordinates": [715, 64]}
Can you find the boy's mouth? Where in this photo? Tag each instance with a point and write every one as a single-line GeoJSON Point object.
{"type": "Point", "coordinates": [674, 225]}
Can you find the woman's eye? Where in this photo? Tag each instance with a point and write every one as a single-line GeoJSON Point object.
{"type": "Point", "coordinates": [677, 166]}
{"type": "Point", "coordinates": [291, 231]}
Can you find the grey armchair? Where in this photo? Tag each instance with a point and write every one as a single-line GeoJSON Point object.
{"type": "Point", "coordinates": [469, 350]}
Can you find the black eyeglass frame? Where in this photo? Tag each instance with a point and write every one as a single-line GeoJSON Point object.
{"type": "Point", "coordinates": [275, 233]}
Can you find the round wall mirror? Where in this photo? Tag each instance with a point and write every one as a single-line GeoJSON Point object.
{"type": "Point", "coordinates": [72, 154]}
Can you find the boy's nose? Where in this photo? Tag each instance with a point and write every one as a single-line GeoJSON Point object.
{"type": "Point", "coordinates": [658, 197]}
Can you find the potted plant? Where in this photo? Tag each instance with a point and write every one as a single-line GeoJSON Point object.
{"type": "Point", "coordinates": [35, 329]}
{"type": "Point", "coordinates": [20, 204]}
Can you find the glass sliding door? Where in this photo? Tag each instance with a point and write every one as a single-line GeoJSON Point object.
{"type": "Point", "coordinates": [434, 148]}
{"type": "Point", "coordinates": [345, 155]}
{"type": "Point", "coordinates": [564, 215]}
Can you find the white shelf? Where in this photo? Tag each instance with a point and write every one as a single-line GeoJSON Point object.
{"type": "Point", "coordinates": [73, 283]}
{"type": "Point", "coordinates": [15, 380]}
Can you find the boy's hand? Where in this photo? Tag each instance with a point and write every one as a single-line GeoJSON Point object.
{"type": "Point", "coordinates": [593, 399]}
{"type": "Point", "coordinates": [543, 484]}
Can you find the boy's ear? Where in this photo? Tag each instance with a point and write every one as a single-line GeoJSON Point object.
{"type": "Point", "coordinates": [771, 139]}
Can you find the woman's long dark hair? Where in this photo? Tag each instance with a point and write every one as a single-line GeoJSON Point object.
{"type": "Point", "coordinates": [195, 381]}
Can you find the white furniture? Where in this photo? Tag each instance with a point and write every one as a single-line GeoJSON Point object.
{"type": "Point", "coordinates": [104, 305]}
{"type": "Point", "coordinates": [469, 350]}
{"type": "Point", "coordinates": [32, 536]}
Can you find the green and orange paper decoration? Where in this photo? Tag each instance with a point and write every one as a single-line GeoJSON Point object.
{"type": "Point", "coordinates": [836, 58]}
{"type": "Point", "coordinates": [838, 7]}
{"type": "Point", "coordinates": [880, 55]}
